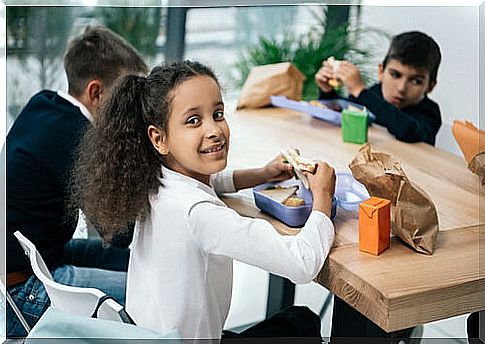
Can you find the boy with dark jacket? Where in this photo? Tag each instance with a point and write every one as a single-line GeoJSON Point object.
{"type": "Point", "coordinates": [400, 102]}
{"type": "Point", "coordinates": [40, 150]}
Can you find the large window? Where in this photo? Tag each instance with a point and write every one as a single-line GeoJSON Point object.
{"type": "Point", "coordinates": [219, 36]}
{"type": "Point", "coordinates": [37, 38]}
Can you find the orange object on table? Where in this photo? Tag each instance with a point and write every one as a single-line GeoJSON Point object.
{"type": "Point", "coordinates": [374, 225]}
{"type": "Point", "coordinates": [470, 139]}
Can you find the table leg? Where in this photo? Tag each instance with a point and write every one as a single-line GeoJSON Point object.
{"type": "Point", "coordinates": [281, 294]}
{"type": "Point", "coordinates": [348, 322]}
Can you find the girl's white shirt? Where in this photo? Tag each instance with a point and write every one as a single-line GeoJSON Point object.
{"type": "Point", "coordinates": [180, 270]}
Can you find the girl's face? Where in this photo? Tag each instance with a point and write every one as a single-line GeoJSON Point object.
{"type": "Point", "coordinates": [196, 140]}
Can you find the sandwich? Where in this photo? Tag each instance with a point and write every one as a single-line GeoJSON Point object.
{"type": "Point", "coordinates": [318, 104]}
{"type": "Point", "coordinates": [294, 202]}
{"type": "Point", "coordinates": [302, 163]}
{"type": "Point", "coordinates": [334, 83]}
{"type": "Point", "coordinates": [279, 193]}
{"type": "Point", "coordinates": [285, 195]}
{"type": "Point", "coordinates": [299, 165]}
{"type": "Point", "coordinates": [335, 65]}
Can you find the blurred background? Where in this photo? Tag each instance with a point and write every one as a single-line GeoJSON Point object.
{"type": "Point", "coordinates": [233, 38]}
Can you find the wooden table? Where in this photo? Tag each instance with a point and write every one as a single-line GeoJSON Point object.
{"type": "Point", "coordinates": [400, 288]}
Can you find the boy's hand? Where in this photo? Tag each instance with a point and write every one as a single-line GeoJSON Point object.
{"type": "Point", "coordinates": [350, 77]}
{"type": "Point", "coordinates": [324, 74]}
{"type": "Point", "coordinates": [322, 186]}
{"type": "Point", "coordinates": [277, 170]}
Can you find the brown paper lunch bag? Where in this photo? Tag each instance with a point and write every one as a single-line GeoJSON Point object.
{"type": "Point", "coordinates": [414, 218]}
{"type": "Point", "coordinates": [279, 79]}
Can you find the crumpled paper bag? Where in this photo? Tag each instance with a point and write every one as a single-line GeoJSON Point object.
{"type": "Point", "coordinates": [472, 144]}
{"type": "Point", "coordinates": [477, 166]}
{"type": "Point", "coordinates": [279, 79]}
{"type": "Point", "coordinates": [413, 215]}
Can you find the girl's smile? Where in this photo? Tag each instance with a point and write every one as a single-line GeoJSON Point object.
{"type": "Point", "coordinates": [214, 150]}
{"type": "Point", "coordinates": [196, 140]}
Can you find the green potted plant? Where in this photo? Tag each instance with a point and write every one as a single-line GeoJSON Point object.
{"type": "Point", "coordinates": [138, 25]}
{"type": "Point", "coordinates": [307, 51]}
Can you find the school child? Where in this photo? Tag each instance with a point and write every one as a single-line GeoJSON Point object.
{"type": "Point", "coordinates": [400, 101]}
{"type": "Point", "coordinates": [157, 155]}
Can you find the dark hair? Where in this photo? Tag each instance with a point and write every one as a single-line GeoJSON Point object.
{"type": "Point", "coordinates": [118, 167]}
{"type": "Point", "coordinates": [417, 50]}
{"type": "Point", "coordinates": [99, 53]}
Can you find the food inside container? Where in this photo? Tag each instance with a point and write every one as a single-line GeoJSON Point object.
{"type": "Point", "coordinates": [288, 201]}
{"type": "Point", "coordinates": [279, 193]}
{"type": "Point", "coordinates": [294, 201]}
{"type": "Point", "coordinates": [350, 193]}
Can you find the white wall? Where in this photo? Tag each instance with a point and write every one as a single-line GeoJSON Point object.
{"type": "Point", "coordinates": [455, 29]}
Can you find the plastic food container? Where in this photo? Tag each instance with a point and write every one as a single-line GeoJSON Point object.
{"type": "Point", "coordinates": [291, 216]}
{"type": "Point", "coordinates": [349, 191]}
{"type": "Point", "coordinates": [325, 114]}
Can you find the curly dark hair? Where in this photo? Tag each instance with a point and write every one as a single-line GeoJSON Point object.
{"type": "Point", "coordinates": [118, 167]}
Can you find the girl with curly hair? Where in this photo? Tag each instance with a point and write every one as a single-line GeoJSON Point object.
{"type": "Point", "coordinates": [157, 156]}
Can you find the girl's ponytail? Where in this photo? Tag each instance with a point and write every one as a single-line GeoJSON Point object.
{"type": "Point", "coordinates": [117, 166]}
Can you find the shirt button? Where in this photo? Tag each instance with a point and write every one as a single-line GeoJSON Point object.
{"type": "Point", "coordinates": [31, 297]}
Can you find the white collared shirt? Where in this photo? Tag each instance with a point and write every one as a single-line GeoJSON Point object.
{"type": "Point", "coordinates": [180, 271]}
{"type": "Point", "coordinates": [84, 110]}
{"type": "Point", "coordinates": [82, 225]}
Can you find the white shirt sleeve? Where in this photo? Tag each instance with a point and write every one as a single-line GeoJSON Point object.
{"type": "Point", "coordinates": [221, 231]}
{"type": "Point", "coordinates": [223, 182]}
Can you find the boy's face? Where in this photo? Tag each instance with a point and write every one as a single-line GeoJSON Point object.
{"type": "Point", "coordinates": [403, 85]}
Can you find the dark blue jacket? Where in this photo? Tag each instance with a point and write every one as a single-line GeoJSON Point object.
{"type": "Point", "coordinates": [41, 147]}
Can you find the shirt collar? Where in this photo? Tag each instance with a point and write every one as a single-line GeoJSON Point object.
{"type": "Point", "coordinates": [170, 175]}
{"type": "Point", "coordinates": [84, 110]}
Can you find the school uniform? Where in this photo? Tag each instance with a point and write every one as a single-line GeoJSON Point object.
{"type": "Point", "coordinates": [41, 149]}
{"type": "Point", "coordinates": [180, 271]}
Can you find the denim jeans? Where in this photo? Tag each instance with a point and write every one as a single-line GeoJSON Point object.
{"type": "Point", "coordinates": [32, 299]}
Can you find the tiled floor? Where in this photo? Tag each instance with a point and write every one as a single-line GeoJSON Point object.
{"type": "Point", "coordinates": [250, 295]}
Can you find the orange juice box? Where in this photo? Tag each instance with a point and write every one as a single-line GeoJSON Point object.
{"type": "Point", "coordinates": [374, 225]}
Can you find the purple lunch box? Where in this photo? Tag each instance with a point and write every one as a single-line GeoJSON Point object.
{"type": "Point", "coordinates": [328, 115]}
{"type": "Point", "coordinates": [291, 216]}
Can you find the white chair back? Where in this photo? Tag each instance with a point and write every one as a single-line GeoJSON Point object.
{"type": "Point", "coordinates": [78, 300]}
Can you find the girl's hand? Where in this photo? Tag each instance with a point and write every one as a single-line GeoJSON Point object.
{"type": "Point", "coordinates": [322, 186]}
{"type": "Point", "coordinates": [324, 74]}
{"type": "Point", "coordinates": [277, 170]}
{"type": "Point", "coordinates": [350, 77]}
{"type": "Point", "coordinates": [274, 171]}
